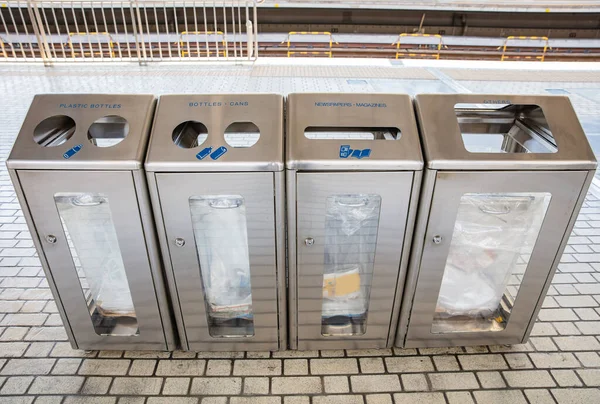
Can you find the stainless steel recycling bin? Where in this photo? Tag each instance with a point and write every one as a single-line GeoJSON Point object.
{"type": "Point", "coordinates": [77, 170]}
{"type": "Point", "coordinates": [216, 176]}
{"type": "Point", "coordinates": [354, 168]}
{"type": "Point", "coordinates": [505, 178]}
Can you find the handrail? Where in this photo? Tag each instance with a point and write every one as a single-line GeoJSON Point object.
{"type": "Point", "coordinates": [325, 33]}
{"type": "Point", "coordinates": [528, 38]}
{"type": "Point", "coordinates": [399, 40]}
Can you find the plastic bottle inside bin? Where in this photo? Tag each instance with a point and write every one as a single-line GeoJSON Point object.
{"type": "Point", "coordinates": [219, 224]}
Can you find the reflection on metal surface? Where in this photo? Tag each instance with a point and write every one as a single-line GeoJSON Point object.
{"type": "Point", "coordinates": [92, 239]}
{"type": "Point", "coordinates": [494, 236]}
{"type": "Point", "coordinates": [492, 128]}
{"type": "Point", "coordinates": [54, 131]}
{"type": "Point", "coordinates": [242, 134]}
{"type": "Point", "coordinates": [219, 223]}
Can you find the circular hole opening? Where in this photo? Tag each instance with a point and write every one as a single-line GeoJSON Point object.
{"type": "Point", "coordinates": [108, 131]}
{"type": "Point", "coordinates": [54, 131]}
{"type": "Point", "coordinates": [242, 134]}
{"type": "Point", "coordinates": [189, 134]}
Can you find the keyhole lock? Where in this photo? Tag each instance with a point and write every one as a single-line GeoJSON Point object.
{"type": "Point", "coordinates": [309, 241]}
{"type": "Point", "coordinates": [179, 242]}
{"type": "Point", "coordinates": [437, 239]}
{"type": "Point", "coordinates": [50, 238]}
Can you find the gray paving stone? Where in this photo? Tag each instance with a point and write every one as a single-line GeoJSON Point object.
{"type": "Point", "coordinates": [379, 399]}
{"type": "Point", "coordinates": [591, 377]}
{"type": "Point", "coordinates": [56, 385]}
{"type": "Point", "coordinates": [371, 365]}
{"type": "Point", "coordinates": [176, 386]}
{"type": "Point", "coordinates": [296, 385]}
{"type": "Point", "coordinates": [500, 396]}
{"type": "Point", "coordinates": [345, 399]}
{"type": "Point", "coordinates": [104, 367]}
{"type": "Point", "coordinates": [215, 386]}
{"type": "Point", "coordinates": [369, 352]}
{"type": "Point", "coordinates": [554, 360]}
{"type": "Point", "coordinates": [218, 367]}
{"type": "Point", "coordinates": [173, 400]}
{"type": "Point", "coordinates": [296, 400]}
{"type": "Point", "coordinates": [576, 396]}
{"type": "Point", "coordinates": [482, 362]}
{"type": "Point", "coordinates": [539, 396]}
{"type": "Point", "coordinates": [518, 361]}
{"type": "Point", "coordinates": [557, 315]}
{"type": "Point", "coordinates": [96, 385]}
{"type": "Point", "coordinates": [419, 398]}
{"type": "Point", "coordinates": [28, 367]}
{"type": "Point", "coordinates": [90, 400]}
{"type": "Point", "coordinates": [136, 385]}
{"type": "Point", "coordinates": [257, 367]}
{"type": "Point", "coordinates": [566, 378]}
{"type": "Point", "coordinates": [528, 378]}
{"type": "Point", "coordinates": [543, 343]}
{"type": "Point", "coordinates": [588, 327]}
{"type": "Point", "coordinates": [180, 367]}
{"type": "Point", "coordinates": [375, 384]}
{"type": "Point", "coordinates": [577, 343]}
{"type": "Point", "coordinates": [459, 397]}
{"type": "Point", "coordinates": [295, 367]}
{"type": "Point", "coordinates": [66, 366]}
{"type": "Point", "coordinates": [333, 366]}
{"type": "Point", "coordinates": [39, 349]}
{"type": "Point", "coordinates": [16, 385]}
{"type": "Point", "coordinates": [48, 399]}
{"type": "Point", "coordinates": [491, 380]}
{"type": "Point", "coordinates": [142, 367]}
{"type": "Point", "coordinates": [13, 349]}
{"type": "Point", "coordinates": [445, 363]}
{"type": "Point", "coordinates": [453, 381]}
{"type": "Point", "coordinates": [336, 384]}
{"type": "Point", "coordinates": [256, 385]}
{"type": "Point", "coordinates": [588, 359]}
{"type": "Point", "coordinates": [414, 382]}
{"type": "Point", "coordinates": [405, 364]}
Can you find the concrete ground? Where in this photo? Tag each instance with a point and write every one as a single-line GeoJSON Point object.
{"type": "Point", "coordinates": [560, 363]}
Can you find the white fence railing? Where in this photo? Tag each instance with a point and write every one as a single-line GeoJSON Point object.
{"type": "Point", "coordinates": [52, 31]}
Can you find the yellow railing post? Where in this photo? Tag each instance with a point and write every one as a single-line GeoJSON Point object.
{"type": "Point", "coordinates": [328, 52]}
{"type": "Point", "coordinates": [399, 40]}
{"type": "Point", "coordinates": [526, 38]}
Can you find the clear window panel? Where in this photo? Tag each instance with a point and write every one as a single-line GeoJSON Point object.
{"type": "Point", "coordinates": [351, 226]}
{"type": "Point", "coordinates": [92, 239]}
{"type": "Point", "coordinates": [220, 231]}
{"type": "Point", "coordinates": [494, 235]}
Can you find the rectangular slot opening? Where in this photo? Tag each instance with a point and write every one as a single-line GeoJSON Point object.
{"type": "Point", "coordinates": [504, 128]}
{"type": "Point", "coordinates": [351, 133]}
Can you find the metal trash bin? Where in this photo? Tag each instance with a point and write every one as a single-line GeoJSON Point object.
{"type": "Point", "coordinates": [77, 168]}
{"type": "Point", "coordinates": [215, 171]}
{"type": "Point", "coordinates": [354, 168]}
{"type": "Point", "coordinates": [506, 176]}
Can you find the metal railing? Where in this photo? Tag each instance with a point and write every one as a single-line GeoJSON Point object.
{"type": "Point", "coordinates": [327, 50]}
{"type": "Point", "coordinates": [430, 40]}
{"type": "Point", "coordinates": [52, 31]}
{"type": "Point", "coordinates": [540, 42]}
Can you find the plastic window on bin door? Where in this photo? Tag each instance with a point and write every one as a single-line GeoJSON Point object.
{"type": "Point", "coordinates": [351, 227]}
{"type": "Point", "coordinates": [88, 225]}
{"type": "Point", "coordinates": [221, 235]}
{"type": "Point", "coordinates": [494, 235]}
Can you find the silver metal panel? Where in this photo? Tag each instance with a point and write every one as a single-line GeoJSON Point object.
{"type": "Point", "coordinates": [395, 189]}
{"type": "Point", "coordinates": [257, 189]}
{"type": "Point", "coordinates": [84, 109]}
{"type": "Point", "coordinates": [352, 110]}
{"type": "Point", "coordinates": [39, 188]}
{"type": "Point", "coordinates": [564, 187]}
{"type": "Point", "coordinates": [444, 149]}
{"type": "Point", "coordinates": [280, 236]}
{"type": "Point", "coordinates": [217, 112]}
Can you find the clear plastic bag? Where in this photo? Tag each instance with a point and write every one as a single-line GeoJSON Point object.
{"type": "Point", "coordinates": [219, 224]}
{"type": "Point", "coordinates": [490, 234]}
{"type": "Point", "coordinates": [351, 225]}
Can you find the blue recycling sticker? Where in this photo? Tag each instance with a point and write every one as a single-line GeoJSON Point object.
{"type": "Point", "coordinates": [218, 153]}
{"type": "Point", "coordinates": [204, 152]}
{"type": "Point", "coordinates": [72, 151]}
{"type": "Point", "coordinates": [346, 152]}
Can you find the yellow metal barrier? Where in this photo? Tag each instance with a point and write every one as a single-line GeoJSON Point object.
{"type": "Point", "coordinates": [207, 52]}
{"type": "Point", "coordinates": [2, 49]}
{"type": "Point", "coordinates": [324, 52]}
{"type": "Point", "coordinates": [409, 54]}
{"type": "Point", "coordinates": [91, 52]}
{"type": "Point", "coordinates": [526, 38]}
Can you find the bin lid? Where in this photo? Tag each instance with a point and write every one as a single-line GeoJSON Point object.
{"type": "Point", "coordinates": [217, 132]}
{"type": "Point", "coordinates": [502, 132]}
{"type": "Point", "coordinates": [352, 131]}
{"type": "Point", "coordinates": [84, 132]}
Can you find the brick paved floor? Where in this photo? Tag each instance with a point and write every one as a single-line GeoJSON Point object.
{"type": "Point", "coordinates": [559, 364]}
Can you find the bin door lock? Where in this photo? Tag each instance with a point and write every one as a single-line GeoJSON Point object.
{"type": "Point", "coordinates": [50, 238]}
{"type": "Point", "coordinates": [309, 241]}
{"type": "Point", "coordinates": [437, 239]}
{"type": "Point", "coordinates": [179, 242]}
